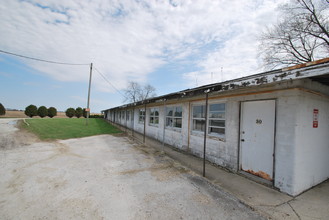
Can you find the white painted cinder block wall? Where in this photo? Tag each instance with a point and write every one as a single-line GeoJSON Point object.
{"type": "Point", "coordinates": [286, 108]}
{"type": "Point", "coordinates": [312, 144]}
{"type": "Point", "coordinates": [301, 151]}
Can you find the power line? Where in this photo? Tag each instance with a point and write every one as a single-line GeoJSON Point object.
{"type": "Point", "coordinates": [61, 63]}
{"type": "Point", "coordinates": [47, 61]}
{"type": "Point", "coordinates": [109, 82]}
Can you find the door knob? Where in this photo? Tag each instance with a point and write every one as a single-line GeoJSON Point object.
{"type": "Point", "coordinates": [242, 140]}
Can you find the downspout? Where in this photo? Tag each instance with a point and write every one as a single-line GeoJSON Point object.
{"type": "Point", "coordinates": [144, 123]}
{"type": "Point", "coordinates": [205, 137]}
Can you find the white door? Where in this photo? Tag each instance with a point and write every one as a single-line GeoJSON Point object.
{"type": "Point", "coordinates": [257, 138]}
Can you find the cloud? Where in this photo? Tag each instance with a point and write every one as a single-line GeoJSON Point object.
{"type": "Point", "coordinates": [128, 40]}
{"type": "Point", "coordinates": [236, 55]}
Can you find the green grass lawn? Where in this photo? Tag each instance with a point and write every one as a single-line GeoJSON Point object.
{"type": "Point", "coordinates": [65, 128]}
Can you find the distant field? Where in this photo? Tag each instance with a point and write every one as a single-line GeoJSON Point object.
{"type": "Point", "coordinates": [20, 114]}
{"type": "Point", "coordinates": [65, 128]}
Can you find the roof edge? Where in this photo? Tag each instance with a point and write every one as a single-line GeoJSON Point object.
{"type": "Point", "coordinates": [299, 71]}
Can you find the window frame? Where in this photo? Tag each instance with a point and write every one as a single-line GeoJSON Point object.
{"type": "Point", "coordinates": [141, 117]}
{"type": "Point", "coordinates": [173, 117]}
{"type": "Point", "coordinates": [209, 119]}
{"type": "Point", "coordinates": [153, 117]}
{"type": "Point", "coordinates": [223, 119]}
{"type": "Point", "coordinates": [203, 106]}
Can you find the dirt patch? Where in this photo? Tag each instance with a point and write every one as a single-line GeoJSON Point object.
{"type": "Point", "coordinates": [18, 137]}
{"type": "Point", "coordinates": [163, 169]}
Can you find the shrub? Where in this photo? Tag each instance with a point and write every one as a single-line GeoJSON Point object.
{"type": "Point", "coordinates": [42, 111]}
{"type": "Point", "coordinates": [52, 112]}
{"type": "Point", "coordinates": [70, 112]}
{"type": "Point", "coordinates": [2, 110]}
{"type": "Point", "coordinates": [78, 112]}
{"type": "Point", "coordinates": [31, 111]}
{"type": "Point", "coordinates": [84, 113]}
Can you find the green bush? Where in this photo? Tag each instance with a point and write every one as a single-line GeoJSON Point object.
{"type": "Point", "coordinates": [31, 111]}
{"type": "Point", "coordinates": [42, 111]}
{"type": "Point", "coordinates": [2, 110]}
{"type": "Point", "coordinates": [70, 112]}
{"type": "Point", "coordinates": [84, 113]}
{"type": "Point", "coordinates": [52, 112]}
{"type": "Point", "coordinates": [78, 112]}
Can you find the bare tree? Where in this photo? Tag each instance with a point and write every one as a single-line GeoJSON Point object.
{"type": "Point", "coordinates": [301, 36]}
{"type": "Point", "coordinates": [135, 92]}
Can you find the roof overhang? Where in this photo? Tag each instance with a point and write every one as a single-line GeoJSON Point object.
{"type": "Point", "coordinates": [317, 71]}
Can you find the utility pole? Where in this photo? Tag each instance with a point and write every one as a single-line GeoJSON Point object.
{"type": "Point", "coordinates": [88, 109]}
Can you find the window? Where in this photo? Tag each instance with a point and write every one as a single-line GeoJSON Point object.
{"type": "Point", "coordinates": [199, 117]}
{"type": "Point", "coordinates": [174, 117]}
{"type": "Point", "coordinates": [154, 116]}
{"type": "Point", "coordinates": [128, 115]}
{"type": "Point", "coordinates": [216, 118]}
{"type": "Point", "coordinates": [123, 114]}
{"type": "Point", "coordinates": [141, 116]}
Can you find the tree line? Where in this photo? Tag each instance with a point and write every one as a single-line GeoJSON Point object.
{"type": "Point", "coordinates": [42, 111]}
{"type": "Point", "coordinates": [51, 112]}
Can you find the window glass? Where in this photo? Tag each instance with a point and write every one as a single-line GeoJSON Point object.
{"type": "Point", "coordinates": [217, 107]}
{"type": "Point", "coordinates": [198, 118]}
{"type": "Point", "coordinates": [199, 111]}
{"type": "Point", "coordinates": [216, 114]}
{"type": "Point", "coordinates": [177, 123]}
{"type": "Point", "coordinates": [217, 130]}
{"type": "Point", "coordinates": [154, 116]}
{"type": "Point", "coordinates": [198, 124]}
{"type": "Point", "coordinates": [141, 116]}
{"type": "Point", "coordinates": [169, 122]}
{"type": "Point", "coordinates": [218, 123]}
{"type": "Point", "coordinates": [169, 111]}
{"type": "Point", "coordinates": [178, 112]}
{"type": "Point", "coordinates": [174, 116]}
{"type": "Point", "coordinates": [216, 118]}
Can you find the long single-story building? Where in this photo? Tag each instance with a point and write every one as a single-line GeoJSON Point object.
{"type": "Point", "coordinates": [273, 126]}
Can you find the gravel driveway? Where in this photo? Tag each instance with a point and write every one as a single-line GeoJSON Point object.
{"type": "Point", "coordinates": [102, 177]}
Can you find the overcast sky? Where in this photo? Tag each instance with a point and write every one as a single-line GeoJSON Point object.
{"type": "Point", "coordinates": [172, 45]}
